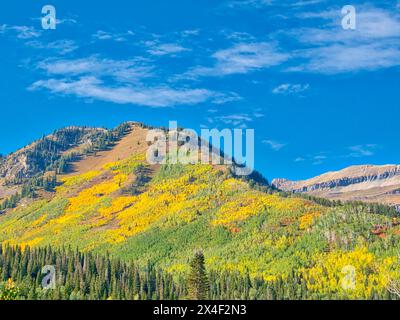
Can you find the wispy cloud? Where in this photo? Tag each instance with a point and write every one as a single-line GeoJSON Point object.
{"type": "Point", "coordinates": [190, 32]}
{"type": "Point", "coordinates": [365, 150]}
{"type": "Point", "coordinates": [375, 43]}
{"type": "Point", "coordinates": [288, 88]}
{"type": "Point", "coordinates": [130, 70]}
{"type": "Point", "coordinates": [236, 120]}
{"type": "Point", "coordinates": [319, 159]}
{"type": "Point", "coordinates": [249, 3]}
{"type": "Point", "coordinates": [118, 81]}
{"type": "Point", "coordinates": [60, 46]}
{"type": "Point", "coordinates": [67, 21]}
{"type": "Point", "coordinates": [22, 32]}
{"type": "Point", "coordinates": [93, 88]}
{"type": "Point", "coordinates": [225, 98]}
{"type": "Point", "coordinates": [239, 120]}
{"type": "Point", "coordinates": [242, 58]}
{"type": "Point", "coordinates": [304, 3]}
{"type": "Point", "coordinates": [339, 58]}
{"type": "Point", "coordinates": [106, 35]}
{"type": "Point", "coordinates": [274, 145]}
{"type": "Point", "coordinates": [268, 3]}
{"type": "Point", "coordinates": [372, 23]}
{"type": "Point", "coordinates": [356, 151]}
{"type": "Point", "coordinates": [162, 49]}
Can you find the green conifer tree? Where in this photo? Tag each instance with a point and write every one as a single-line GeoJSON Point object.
{"type": "Point", "coordinates": [198, 285]}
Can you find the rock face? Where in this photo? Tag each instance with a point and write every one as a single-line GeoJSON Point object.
{"type": "Point", "coordinates": [365, 183]}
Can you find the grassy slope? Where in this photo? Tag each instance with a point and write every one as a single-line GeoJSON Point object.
{"type": "Point", "coordinates": [197, 206]}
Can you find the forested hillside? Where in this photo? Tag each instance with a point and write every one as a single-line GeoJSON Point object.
{"type": "Point", "coordinates": [114, 208]}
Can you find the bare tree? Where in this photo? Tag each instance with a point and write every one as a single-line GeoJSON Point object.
{"type": "Point", "coordinates": [393, 287]}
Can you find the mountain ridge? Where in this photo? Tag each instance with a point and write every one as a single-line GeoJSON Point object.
{"type": "Point", "coordinates": [371, 183]}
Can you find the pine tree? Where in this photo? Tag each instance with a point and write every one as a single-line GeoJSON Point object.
{"type": "Point", "coordinates": [198, 285]}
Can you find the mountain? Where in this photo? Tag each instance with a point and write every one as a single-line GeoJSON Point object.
{"type": "Point", "coordinates": [368, 183]}
{"type": "Point", "coordinates": [44, 153]}
{"type": "Point", "coordinates": [95, 191]}
{"type": "Point", "coordinates": [31, 165]}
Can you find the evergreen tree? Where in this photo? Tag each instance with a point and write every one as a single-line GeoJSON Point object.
{"type": "Point", "coordinates": [198, 285]}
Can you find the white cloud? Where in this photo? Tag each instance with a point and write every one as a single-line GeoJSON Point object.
{"type": "Point", "coordinates": [191, 32]}
{"type": "Point", "coordinates": [105, 35]}
{"type": "Point", "coordinates": [165, 49]}
{"type": "Point", "coordinates": [341, 58]}
{"type": "Point", "coordinates": [375, 44]}
{"type": "Point", "coordinates": [304, 3]}
{"type": "Point", "coordinates": [235, 117]}
{"type": "Point", "coordinates": [288, 88]}
{"type": "Point", "coordinates": [123, 70]}
{"type": "Point", "coordinates": [225, 98]}
{"type": "Point", "coordinates": [365, 150]}
{"type": "Point", "coordinates": [93, 88]}
{"type": "Point", "coordinates": [102, 35]}
{"type": "Point", "coordinates": [239, 120]}
{"type": "Point", "coordinates": [249, 3]}
{"type": "Point", "coordinates": [61, 46]}
{"type": "Point", "coordinates": [318, 159]}
{"type": "Point", "coordinates": [268, 3]}
{"type": "Point", "coordinates": [67, 21]}
{"type": "Point", "coordinates": [118, 81]}
{"type": "Point", "coordinates": [238, 36]}
{"type": "Point", "coordinates": [274, 145]}
{"type": "Point", "coordinates": [258, 115]}
{"type": "Point", "coordinates": [242, 58]}
{"type": "Point", "coordinates": [372, 23]}
{"type": "Point", "coordinates": [22, 32]}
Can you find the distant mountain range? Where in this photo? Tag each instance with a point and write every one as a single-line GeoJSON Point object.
{"type": "Point", "coordinates": [367, 183]}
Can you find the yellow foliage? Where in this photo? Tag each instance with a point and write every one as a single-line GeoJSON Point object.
{"type": "Point", "coordinates": [68, 182]}
{"type": "Point", "coordinates": [31, 243]}
{"type": "Point", "coordinates": [353, 274]}
{"type": "Point", "coordinates": [247, 204]}
{"type": "Point", "coordinates": [127, 165]}
{"type": "Point", "coordinates": [89, 198]}
{"type": "Point", "coordinates": [39, 220]}
{"type": "Point", "coordinates": [307, 220]}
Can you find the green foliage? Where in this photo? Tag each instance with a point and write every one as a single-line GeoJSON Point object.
{"type": "Point", "coordinates": [198, 285]}
{"type": "Point", "coordinates": [142, 177]}
{"type": "Point", "coordinates": [81, 276]}
{"type": "Point", "coordinates": [8, 291]}
{"type": "Point", "coordinates": [169, 171]}
{"type": "Point", "coordinates": [87, 276]}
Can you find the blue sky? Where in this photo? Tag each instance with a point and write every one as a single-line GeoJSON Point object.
{"type": "Point", "coordinates": [319, 97]}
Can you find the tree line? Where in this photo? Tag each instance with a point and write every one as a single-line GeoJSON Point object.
{"type": "Point", "coordinates": [89, 276]}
